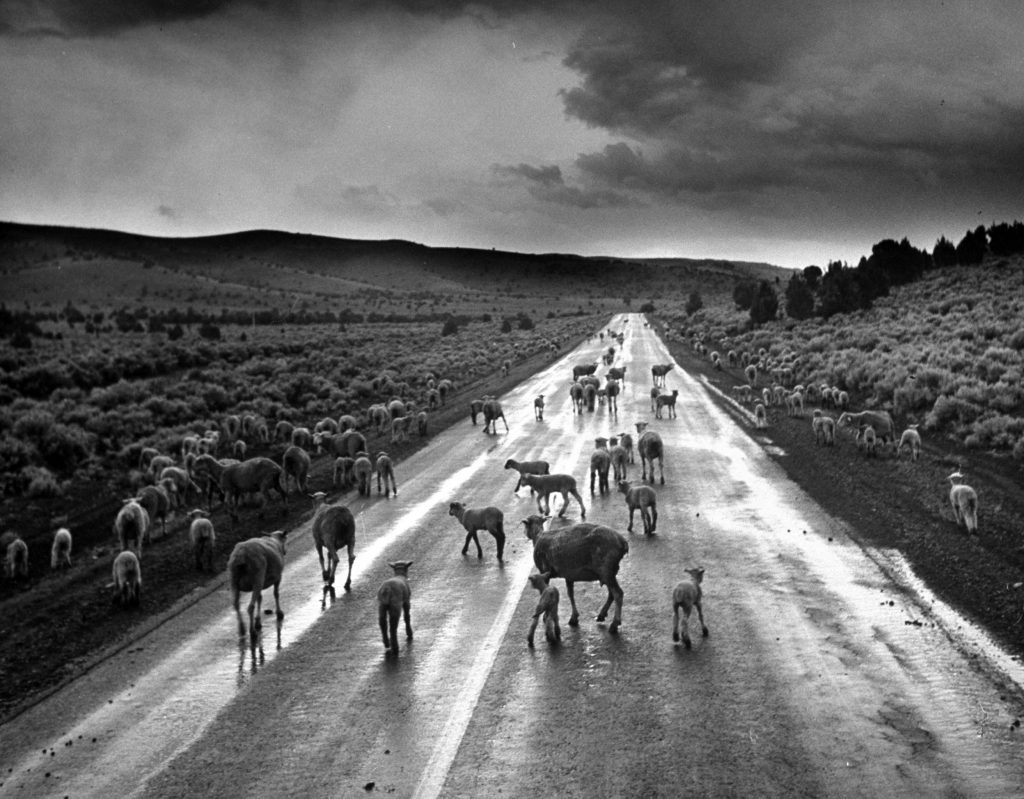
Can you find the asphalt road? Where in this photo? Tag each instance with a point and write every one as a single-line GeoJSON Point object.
{"type": "Point", "coordinates": [821, 675]}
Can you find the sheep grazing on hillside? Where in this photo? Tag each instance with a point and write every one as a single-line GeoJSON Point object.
{"type": "Point", "coordinates": [146, 456]}
{"type": "Point", "coordinates": [881, 421]}
{"type": "Point", "coordinates": [643, 498]}
{"type": "Point", "coordinates": [493, 412]}
{"type": "Point", "coordinates": [600, 465]}
{"type": "Point", "coordinates": [326, 425]}
{"type": "Point", "coordinates": [651, 448]}
{"type": "Point", "coordinates": [547, 484]}
{"type": "Point", "coordinates": [283, 431]}
{"type": "Point", "coordinates": [444, 388]}
{"type": "Point", "coordinates": [393, 600]}
{"type": "Point", "coordinates": [527, 467]}
{"type": "Point", "coordinates": [538, 408]}
{"type": "Point", "coordinates": [867, 441]}
{"type": "Point", "coordinates": [750, 373]}
{"type": "Point", "coordinates": [385, 469]}
{"type": "Point", "coordinates": [346, 422]}
{"type": "Point", "coordinates": [131, 525]}
{"type": "Point", "coordinates": [400, 428]}
{"type": "Point", "coordinates": [911, 439]}
{"type": "Point", "coordinates": [964, 500]}
{"type": "Point", "coordinates": [473, 520]}
{"type": "Point", "coordinates": [582, 552]}
{"type": "Point", "coordinates": [16, 558]}
{"type": "Point", "coordinates": [202, 539]}
{"type": "Point", "coordinates": [158, 464]}
{"type": "Point", "coordinates": [334, 528]}
{"type": "Point", "coordinates": [347, 443]}
{"type": "Point", "coordinates": [342, 474]}
{"type": "Point", "coordinates": [157, 502]}
{"type": "Point", "coordinates": [505, 366]}
{"type": "Point", "coordinates": [302, 437]}
{"type": "Point", "coordinates": [362, 473]}
{"type": "Point", "coordinates": [686, 596]}
{"type": "Point", "coordinates": [666, 401]}
{"type": "Point", "coordinates": [421, 424]}
{"type": "Point", "coordinates": [238, 449]}
{"type": "Point", "coordinates": [127, 579]}
{"type": "Point", "coordinates": [658, 372]}
{"type": "Point", "coordinates": [760, 415]}
{"type": "Point", "coordinates": [60, 552]}
{"type": "Point", "coordinates": [295, 464]}
{"type": "Point", "coordinates": [255, 564]}
{"type": "Point", "coordinates": [256, 475]}
{"type": "Point", "coordinates": [547, 606]}
{"type": "Point", "coordinates": [183, 483]}
{"type": "Point", "coordinates": [824, 429]}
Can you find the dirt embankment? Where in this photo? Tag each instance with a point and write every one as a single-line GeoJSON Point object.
{"type": "Point", "coordinates": [53, 626]}
{"type": "Point", "coordinates": [904, 505]}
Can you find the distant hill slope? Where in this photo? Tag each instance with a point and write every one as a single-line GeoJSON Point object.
{"type": "Point", "coordinates": [272, 268]}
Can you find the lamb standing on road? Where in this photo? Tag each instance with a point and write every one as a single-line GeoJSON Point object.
{"type": "Point", "coordinates": [666, 401]}
{"type": "Point", "coordinates": [686, 596]}
{"type": "Point", "coordinates": [644, 498]}
{"type": "Point", "coordinates": [490, 519]}
{"type": "Point", "coordinates": [600, 465]}
{"type": "Point", "coordinates": [658, 372]}
{"type": "Point", "coordinates": [651, 447]}
{"type": "Point", "coordinates": [131, 525]}
{"type": "Point", "coordinates": [583, 552]}
{"type": "Point", "coordinates": [547, 606]}
{"type": "Point", "coordinates": [334, 528]}
{"type": "Point", "coordinates": [385, 469]}
{"type": "Point", "coordinates": [527, 467]}
{"type": "Point", "coordinates": [393, 600]}
{"type": "Point", "coordinates": [538, 408]}
{"type": "Point", "coordinates": [547, 484]}
{"type": "Point", "coordinates": [255, 564]}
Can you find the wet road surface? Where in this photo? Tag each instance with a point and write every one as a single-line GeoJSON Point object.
{"type": "Point", "coordinates": [821, 675]}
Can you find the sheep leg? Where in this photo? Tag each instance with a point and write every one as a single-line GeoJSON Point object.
{"type": "Point", "coordinates": [351, 559]}
{"type": "Point", "coordinates": [675, 622]}
{"type": "Point", "coordinates": [654, 518]}
{"type": "Point", "coordinates": [551, 629]}
{"type": "Point", "coordinates": [632, 510]}
{"type": "Point", "coordinates": [255, 610]}
{"type": "Point", "coordinates": [408, 621]}
{"type": "Point", "coordinates": [700, 615]}
{"type": "Point", "coordinates": [499, 539]}
{"type": "Point", "coordinates": [579, 499]}
{"type": "Point", "coordinates": [614, 592]}
{"type": "Point", "coordinates": [382, 618]}
{"type": "Point", "coordinates": [235, 601]}
{"type": "Point", "coordinates": [320, 554]}
{"type": "Point", "coordinates": [574, 619]}
{"type": "Point", "coordinates": [533, 629]}
{"type": "Point", "coordinates": [661, 470]}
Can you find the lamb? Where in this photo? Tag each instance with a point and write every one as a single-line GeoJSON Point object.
{"type": "Point", "coordinates": [16, 558]}
{"type": "Point", "coordinates": [183, 483]}
{"type": "Point", "coordinates": [538, 408]}
{"type": "Point", "coordinates": [612, 392]}
{"type": "Point", "coordinates": [617, 373]}
{"type": "Point", "coordinates": [547, 606]}
{"type": "Point", "coordinates": [600, 465]}
{"type": "Point", "coordinates": [619, 457]}
{"type": "Point", "coordinates": [881, 421]}
{"type": "Point", "coordinates": [393, 599]}
{"type": "Point", "coordinates": [666, 401]}
{"type": "Point", "coordinates": [342, 475]}
{"type": "Point", "coordinates": [346, 422]}
{"type": "Point", "coordinates": [824, 429]}
{"type": "Point", "coordinates": [400, 428]}
{"type": "Point", "coordinates": [576, 397]}
{"type": "Point", "coordinates": [867, 440]}
{"type": "Point", "coordinates": [644, 498]}
{"type": "Point", "coordinates": [658, 372]}
{"type": "Point", "coordinates": [379, 417]}
{"type": "Point", "coordinates": [362, 473]}
{"type": "Point", "coordinates": [334, 527]}
{"type": "Point", "coordinates": [347, 443]}
{"type": "Point", "coordinates": [202, 539]}
{"type": "Point", "coordinates": [158, 464]}
{"type": "Point", "coordinates": [490, 519]}
{"type": "Point", "coordinates": [650, 447]}
{"type": "Point", "coordinates": [385, 469]}
{"type": "Point", "coordinates": [686, 596]}
{"type": "Point", "coordinates": [794, 403]}
{"type": "Point", "coordinates": [295, 464]}
{"type": "Point", "coordinates": [493, 412]}
{"type": "Point", "coordinates": [582, 552]}
{"type": "Point", "coordinates": [157, 502]}
{"type": "Point", "coordinates": [60, 552]}
{"type": "Point", "coordinates": [626, 440]}
{"type": "Point", "coordinates": [253, 565]}
{"type": "Point", "coordinates": [655, 393]}
{"type": "Point", "coordinates": [127, 579]}
{"type": "Point", "coordinates": [760, 415]}
{"type": "Point", "coordinates": [964, 500]}
{"type": "Point", "coordinates": [583, 369]}
{"type": "Point", "coordinates": [444, 387]}
{"type": "Point", "coordinates": [505, 366]}
{"type": "Point", "coordinates": [248, 477]}
{"type": "Point", "coordinates": [131, 524]}
{"type": "Point", "coordinates": [476, 407]}
{"type": "Point", "coordinates": [548, 484]}
{"type": "Point", "coordinates": [239, 448]}
{"type": "Point", "coordinates": [421, 424]}
{"type": "Point", "coordinates": [302, 437]}
{"type": "Point", "coordinates": [750, 372]}
{"type": "Point", "coordinates": [527, 467]}
{"type": "Point", "coordinates": [910, 439]}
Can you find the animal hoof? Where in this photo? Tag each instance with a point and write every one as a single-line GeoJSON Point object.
{"type": "Point", "coordinates": [614, 628]}
{"type": "Point", "coordinates": [675, 637]}
{"type": "Point", "coordinates": [574, 622]}
{"type": "Point", "coordinates": [706, 632]}
{"type": "Point", "coordinates": [529, 643]}
{"type": "Point", "coordinates": [688, 644]}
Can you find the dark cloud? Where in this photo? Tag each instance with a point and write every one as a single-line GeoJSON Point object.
{"type": "Point", "coordinates": [326, 195]}
{"type": "Point", "coordinates": [167, 212]}
{"type": "Point", "coordinates": [99, 17]}
{"type": "Point", "coordinates": [546, 184]}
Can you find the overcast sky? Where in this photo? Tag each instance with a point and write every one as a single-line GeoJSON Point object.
{"type": "Point", "coordinates": [792, 133]}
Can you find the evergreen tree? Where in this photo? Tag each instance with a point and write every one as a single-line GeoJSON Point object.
{"type": "Point", "coordinates": [765, 305]}
{"type": "Point", "coordinates": [743, 294]}
{"type": "Point", "coordinates": [799, 299]}
{"type": "Point", "coordinates": [971, 249]}
{"type": "Point", "coordinates": [694, 303]}
{"type": "Point", "coordinates": [944, 253]}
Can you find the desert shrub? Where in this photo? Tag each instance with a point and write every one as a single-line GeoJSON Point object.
{"type": "Point", "coordinates": [64, 448]}
{"type": "Point", "coordinates": [995, 430]}
{"type": "Point", "coordinates": [1018, 449]}
{"type": "Point", "coordinates": [40, 482]}
{"type": "Point", "coordinates": [34, 425]}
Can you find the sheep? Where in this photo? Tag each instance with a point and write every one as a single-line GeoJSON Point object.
{"type": "Point", "coordinates": [158, 464]}
{"type": "Point", "coordinates": [131, 524]}
{"type": "Point", "coordinates": [582, 552]}
{"type": "Point", "coordinates": [249, 422]}
{"type": "Point", "coordinates": [393, 598]}
{"type": "Point", "coordinates": [397, 409]}
{"type": "Point", "coordinates": [576, 397]}
{"type": "Point", "coordinates": [202, 539]}
{"type": "Point", "coordinates": [60, 552]}
{"type": "Point", "coordinates": [619, 458]}
{"type": "Point", "coordinates": [658, 372]}
{"type": "Point", "coordinates": [626, 441]}
{"type": "Point", "coordinates": [295, 464]}
{"type": "Point", "coordinates": [881, 421]}
{"type": "Point", "coordinates": [824, 429]}
{"type": "Point", "coordinates": [326, 425]}
{"type": "Point", "coordinates": [548, 484]}
{"type": "Point", "coordinates": [600, 465]}
{"type": "Point", "coordinates": [127, 573]}
{"type": "Point", "coordinates": [716, 361]}
{"type": "Point", "coordinates": [16, 558]}
{"type": "Point", "coordinates": [490, 519]}
{"type": "Point", "coordinates": [347, 443]}
{"type": "Point", "coordinates": [590, 396]}
{"type": "Point", "coordinates": [385, 469]}
{"type": "Point", "coordinates": [157, 502]}
{"type": "Point", "coordinates": [208, 470]}
{"type": "Point", "coordinates": [232, 427]}
{"type": "Point", "coordinates": [666, 401]}
{"type": "Point", "coordinates": [248, 477]}
{"type": "Point", "coordinates": [346, 422]}
{"type": "Point", "coordinates": [342, 474]}
{"type": "Point", "coordinates": [617, 373]}
{"type": "Point", "coordinates": [964, 500]}
{"type": "Point", "coordinates": [612, 390]}
{"type": "Point", "coordinates": [644, 498]}
{"type": "Point", "coordinates": [655, 393]}
{"type": "Point", "coordinates": [183, 483]}
{"type": "Point", "coordinates": [400, 428]}
{"type": "Point", "coordinates": [362, 473]}
{"type": "Point", "coordinates": [650, 447]}
{"type": "Point", "coordinates": [189, 444]}
{"type": "Point", "coordinates": [547, 606]}
{"type": "Point", "coordinates": [476, 407]}
{"type": "Point", "coordinates": [238, 450]}
{"type": "Point", "coordinates": [867, 440]}
{"type": "Point", "coordinates": [379, 417]}
{"type": "Point", "coordinates": [505, 366]}
{"type": "Point", "coordinates": [686, 596]}
{"type": "Point", "coordinates": [760, 415]}
{"type": "Point", "coordinates": [538, 408]}
{"type": "Point", "coordinates": [253, 565]}
{"type": "Point", "coordinates": [302, 437]}
{"type": "Point", "coordinates": [732, 358]}
{"type": "Point", "coordinates": [493, 412]}
{"type": "Point", "coordinates": [842, 399]}
{"type": "Point", "coordinates": [146, 456]}
{"type": "Point", "coordinates": [334, 527]}
{"type": "Point", "coordinates": [794, 403]}
{"type": "Point", "coordinates": [421, 424]}
{"type": "Point", "coordinates": [583, 369]}
{"type": "Point", "coordinates": [444, 387]}
{"type": "Point", "coordinates": [910, 439]}
{"type": "Point", "coordinates": [527, 467]}
{"type": "Point", "coordinates": [750, 372]}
